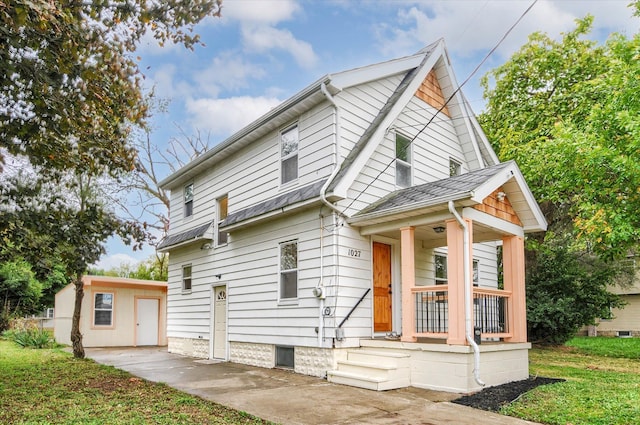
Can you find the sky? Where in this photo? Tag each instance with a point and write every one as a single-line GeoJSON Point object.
{"type": "Point", "coordinates": [261, 52]}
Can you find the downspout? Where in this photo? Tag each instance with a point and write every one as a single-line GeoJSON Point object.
{"type": "Point", "coordinates": [323, 197]}
{"type": "Point", "coordinates": [467, 295]}
{"type": "Point", "coordinates": [321, 283]}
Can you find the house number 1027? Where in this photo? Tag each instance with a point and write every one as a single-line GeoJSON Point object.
{"type": "Point", "coordinates": [355, 253]}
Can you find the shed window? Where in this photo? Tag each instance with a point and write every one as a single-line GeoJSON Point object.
{"type": "Point", "coordinates": [289, 154]}
{"type": "Point", "coordinates": [403, 161]}
{"type": "Point", "coordinates": [289, 270]}
{"type": "Point", "coordinates": [188, 200]}
{"type": "Point", "coordinates": [186, 278]}
{"type": "Point", "coordinates": [103, 309]}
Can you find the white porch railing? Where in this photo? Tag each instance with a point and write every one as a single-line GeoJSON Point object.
{"type": "Point", "coordinates": [490, 311]}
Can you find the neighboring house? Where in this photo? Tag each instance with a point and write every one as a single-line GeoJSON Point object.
{"type": "Point", "coordinates": [115, 312]}
{"type": "Point", "coordinates": [625, 321]}
{"type": "Point", "coordinates": [315, 236]}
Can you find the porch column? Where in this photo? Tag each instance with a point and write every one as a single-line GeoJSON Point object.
{"type": "Point", "coordinates": [513, 267]}
{"type": "Point", "coordinates": [408, 270]}
{"type": "Point", "coordinates": [455, 278]}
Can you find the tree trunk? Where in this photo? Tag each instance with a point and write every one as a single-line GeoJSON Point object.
{"type": "Point", "coordinates": [76, 336]}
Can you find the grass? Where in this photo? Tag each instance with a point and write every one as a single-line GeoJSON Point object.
{"type": "Point", "coordinates": [602, 383]}
{"type": "Point", "coordinates": [49, 386]}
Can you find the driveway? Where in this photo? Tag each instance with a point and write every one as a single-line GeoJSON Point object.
{"type": "Point", "coordinates": [289, 398]}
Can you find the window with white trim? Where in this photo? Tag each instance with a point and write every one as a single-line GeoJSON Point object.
{"type": "Point", "coordinates": [186, 278]}
{"type": "Point", "coordinates": [188, 200]}
{"type": "Point", "coordinates": [403, 161]}
{"type": "Point", "coordinates": [476, 273]}
{"type": "Point", "coordinates": [222, 205]}
{"type": "Point", "coordinates": [455, 168]}
{"type": "Point", "coordinates": [289, 154]}
{"type": "Point", "coordinates": [103, 309]}
{"type": "Point", "coordinates": [289, 270]}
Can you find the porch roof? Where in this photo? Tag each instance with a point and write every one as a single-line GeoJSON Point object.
{"type": "Point", "coordinates": [465, 190]}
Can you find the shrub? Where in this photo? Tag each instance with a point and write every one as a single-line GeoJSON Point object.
{"type": "Point", "coordinates": [31, 338]}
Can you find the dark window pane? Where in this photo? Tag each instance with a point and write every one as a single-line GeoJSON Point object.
{"type": "Point", "coordinates": [102, 318]}
{"type": "Point", "coordinates": [402, 147]}
{"type": "Point", "coordinates": [104, 301]}
{"type": "Point", "coordinates": [290, 169]}
{"type": "Point", "coordinates": [403, 174]}
{"type": "Point", "coordinates": [289, 284]}
{"type": "Point", "coordinates": [285, 357]}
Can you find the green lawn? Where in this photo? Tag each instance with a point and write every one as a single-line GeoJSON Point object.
{"type": "Point", "coordinates": [602, 387]}
{"type": "Point", "coordinates": [50, 387]}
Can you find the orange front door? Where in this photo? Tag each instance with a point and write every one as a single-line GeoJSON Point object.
{"type": "Point", "coordinates": [381, 287]}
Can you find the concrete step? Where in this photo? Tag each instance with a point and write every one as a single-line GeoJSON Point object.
{"type": "Point", "coordinates": [372, 369]}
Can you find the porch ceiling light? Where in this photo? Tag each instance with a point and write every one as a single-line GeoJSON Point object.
{"type": "Point", "coordinates": [439, 229]}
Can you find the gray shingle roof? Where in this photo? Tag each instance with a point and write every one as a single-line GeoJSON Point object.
{"type": "Point", "coordinates": [451, 187]}
{"type": "Point", "coordinates": [191, 234]}
{"type": "Point", "coordinates": [303, 194]}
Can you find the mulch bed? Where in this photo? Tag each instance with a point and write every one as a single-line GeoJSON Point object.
{"type": "Point", "coordinates": [493, 398]}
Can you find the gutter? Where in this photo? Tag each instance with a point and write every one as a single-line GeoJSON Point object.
{"type": "Point", "coordinates": [467, 296]}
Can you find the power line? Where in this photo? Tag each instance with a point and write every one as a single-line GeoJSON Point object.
{"type": "Point", "coordinates": [456, 91]}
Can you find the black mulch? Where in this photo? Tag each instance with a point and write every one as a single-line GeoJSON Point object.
{"type": "Point", "coordinates": [493, 398]}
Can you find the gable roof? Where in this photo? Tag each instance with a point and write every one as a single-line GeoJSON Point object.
{"type": "Point", "coordinates": [470, 188]}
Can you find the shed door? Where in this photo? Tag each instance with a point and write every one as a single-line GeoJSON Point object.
{"type": "Point", "coordinates": [220, 322]}
{"type": "Point", "coordinates": [381, 287]}
{"type": "Point", "coordinates": [147, 321]}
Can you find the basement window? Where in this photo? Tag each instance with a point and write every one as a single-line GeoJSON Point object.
{"type": "Point", "coordinates": [284, 357]}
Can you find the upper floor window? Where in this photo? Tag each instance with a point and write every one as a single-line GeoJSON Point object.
{"type": "Point", "coordinates": [188, 200]}
{"type": "Point", "coordinates": [222, 211]}
{"type": "Point", "coordinates": [441, 269]}
{"type": "Point", "coordinates": [186, 278]}
{"type": "Point", "coordinates": [289, 154]}
{"type": "Point", "coordinates": [103, 309]}
{"type": "Point", "coordinates": [289, 270]}
{"type": "Point", "coordinates": [455, 168]}
{"type": "Point", "coordinates": [403, 161]}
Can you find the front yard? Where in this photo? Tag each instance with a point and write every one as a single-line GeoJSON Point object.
{"type": "Point", "coordinates": [602, 383]}
{"type": "Point", "coordinates": [49, 387]}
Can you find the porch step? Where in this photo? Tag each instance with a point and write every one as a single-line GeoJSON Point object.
{"type": "Point", "coordinates": [372, 369]}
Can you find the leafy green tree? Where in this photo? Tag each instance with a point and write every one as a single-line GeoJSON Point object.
{"type": "Point", "coordinates": [568, 112]}
{"type": "Point", "coordinates": [70, 80]}
{"type": "Point", "coordinates": [20, 291]}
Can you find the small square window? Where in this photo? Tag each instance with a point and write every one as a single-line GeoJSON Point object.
{"type": "Point", "coordinates": [285, 357]}
{"type": "Point", "coordinates": [188, 200]}
{"type": "Point", "coordinates": [186, 278]}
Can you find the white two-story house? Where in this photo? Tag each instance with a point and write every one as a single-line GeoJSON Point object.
{"type": "Point", "coordinates": [354, 232]}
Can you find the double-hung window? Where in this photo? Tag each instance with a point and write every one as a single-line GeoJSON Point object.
{"type": "Point", "coordinates": [186, 278]}
{"type": "Point", "coordinates": [188, 200]}
{"type": "Point", "coordinates": [102, 309]}
{"type": "Point", "coordinates": [403, 161]}
{"type": "Point", "coordinates": [289, 154]}
{"type": "Point", "coordinates": [222, 211]}
{"type": "Point", "coordinates": [289, 270]}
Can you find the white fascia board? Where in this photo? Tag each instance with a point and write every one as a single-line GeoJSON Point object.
{"type": "Point", "coordinates": [347, 180]}
{"type": "Point", "coordinates": [494, 182]}
{"type": "Point", "coordinates": [357, 76]}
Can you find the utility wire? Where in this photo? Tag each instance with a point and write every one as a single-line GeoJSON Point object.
{"type": "Point", "coordinates": [486, 57]}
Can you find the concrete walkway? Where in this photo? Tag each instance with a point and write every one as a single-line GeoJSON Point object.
{"type": "Point", "coordinates": [289, 398]}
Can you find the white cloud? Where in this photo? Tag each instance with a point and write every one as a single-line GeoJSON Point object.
{"type": "Point", "coordinates": [470, 26]}
{"type": "Point", "coordinates": [264, 11]}
{"type": "Point", "coordinates": [223, 117]}
{"type": "Point", "coordinates": [115, 261]}
{"type": "Point", "coordinates": [265, 38]}
{"type": "Point", "coordinates": [228, 71]}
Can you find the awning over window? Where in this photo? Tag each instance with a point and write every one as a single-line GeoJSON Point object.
{"type": "Point", "coordinates": [184, 238]}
